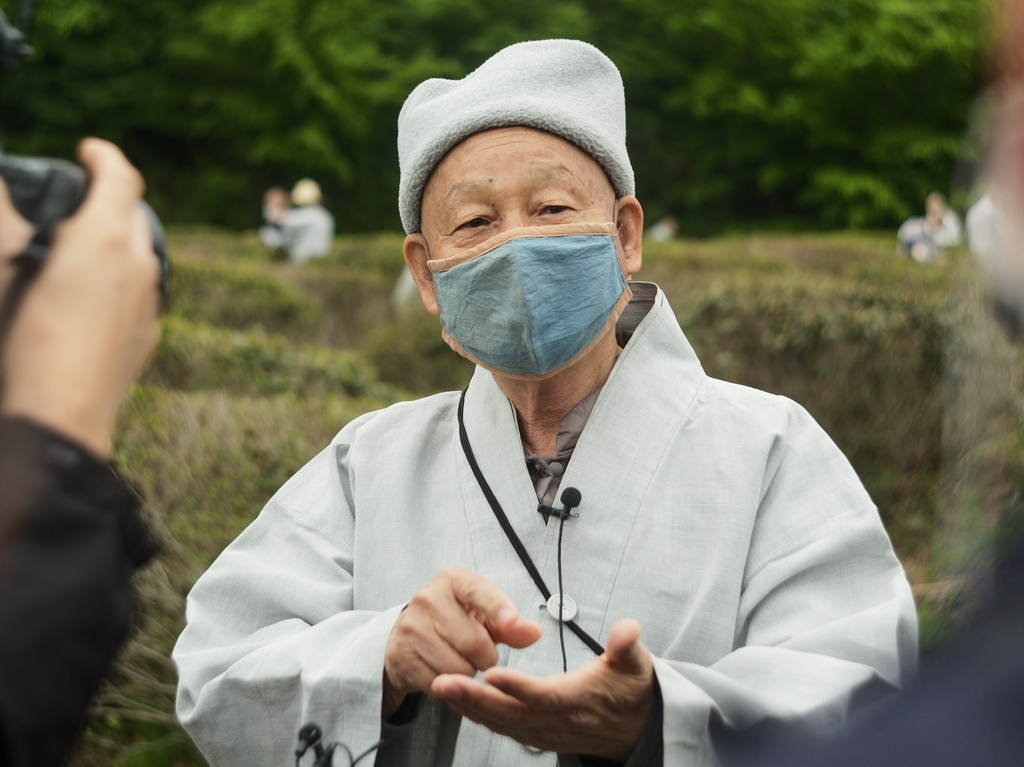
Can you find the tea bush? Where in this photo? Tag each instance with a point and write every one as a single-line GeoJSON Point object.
{"type": "Point", "coordinates": [197, 356]}
{"type": "Point", "coordinates": [408, 351]}
{"type": "Point", "coordinates": [232, 281]}
{"type": "Point", "coordinates": [240, 295]}
{"type": "Point", "coordinates": [262, 362]}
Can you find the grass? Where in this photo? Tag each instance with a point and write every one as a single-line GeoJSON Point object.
{"type": "Point", "coordinates": [262, 362]}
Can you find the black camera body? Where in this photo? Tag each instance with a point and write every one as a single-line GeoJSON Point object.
{"type": "Point", "coordinates": [45, 192]}
{"type": "Point", "coordinates": [13, 45]}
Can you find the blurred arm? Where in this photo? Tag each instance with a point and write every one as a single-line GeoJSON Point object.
{"type": "Point", "coordinates": [70, 539]}
{"type": "Point", "coordinates": [70, 536]}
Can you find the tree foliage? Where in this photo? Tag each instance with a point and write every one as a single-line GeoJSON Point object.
{"type": "Point", "coordinates": [816, 112]}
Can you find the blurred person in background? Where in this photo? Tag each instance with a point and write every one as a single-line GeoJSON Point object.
{"type": "Point", "coordinates": [275, 213]}
{"type": "Point", "coordinates": [664, 230]}
{"type": "Point", "coordinates": [308, 226]}
{"type": "Point", "coordinates": [70, 531]}
{"type": "Point", "coordinates": [924, 238]}
{"type": "Point", "coordinates": [984, 226]}
{"type": "Point", "coordinates": [967, 708]}
{"type": "Point", "coordinates": [404, 295]}
{"type": "Point", "coordinates": [304, 231]}
{"type": "Point", "coordinates": [1005, 270]}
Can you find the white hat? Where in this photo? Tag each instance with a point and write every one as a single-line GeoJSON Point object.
{"type": "Point", "coordinates": [566, 87]}
{"type": "Point", "coordinates": [306, 192]}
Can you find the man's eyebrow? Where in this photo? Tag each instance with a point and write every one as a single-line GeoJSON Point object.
{"type": "Point", "coordinates": [465, 190]}
{"type": "Point", "coordinates": [548, 172]}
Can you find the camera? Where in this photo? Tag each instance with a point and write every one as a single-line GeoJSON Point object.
{"type": "Point", "coordinates": [46, 191]}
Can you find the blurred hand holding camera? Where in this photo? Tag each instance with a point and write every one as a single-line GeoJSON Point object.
{"type": "Point", "coordinates": [89, 321]}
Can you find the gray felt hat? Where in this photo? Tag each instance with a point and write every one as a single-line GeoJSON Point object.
{"type": "Point", "coordinates": [566, 87]}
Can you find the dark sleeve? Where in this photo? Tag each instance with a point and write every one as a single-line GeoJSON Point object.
{"type": "Point", "coordinates": [70, 539]}
{"type": "Point", "coordinates": [650, 751]}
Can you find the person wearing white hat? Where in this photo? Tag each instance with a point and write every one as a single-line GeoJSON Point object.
{"type": "Point", "coordinates": [592, 487]}
{"type": "Point", "coordinates": [306, 230]}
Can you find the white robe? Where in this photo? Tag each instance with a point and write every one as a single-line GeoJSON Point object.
{"type": "Point", "coordinates": [722, 518]}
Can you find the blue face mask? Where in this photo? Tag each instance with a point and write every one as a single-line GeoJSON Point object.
{"type": "Point", "coordinates": [530, 301]}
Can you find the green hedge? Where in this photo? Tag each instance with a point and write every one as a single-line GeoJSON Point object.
{"type": "Point", "coordinates": [246, 387]}
{"type": "Point", "coordinates": [240, 295]}
{"type": "Point", "coordinates": [232, 281]}
{"type": "Point", "coordinates": [195, 356]}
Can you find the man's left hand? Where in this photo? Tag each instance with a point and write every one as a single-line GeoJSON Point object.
{"type": "Point", "coordinates": [598, 709]}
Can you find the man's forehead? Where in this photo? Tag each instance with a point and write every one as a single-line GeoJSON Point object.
{"type": "Point", "coordinates": [474, 185]}
{"type": "Point", "coordinates": [491, 161]}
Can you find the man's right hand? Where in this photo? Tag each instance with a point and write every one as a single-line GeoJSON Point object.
{"type": "Point", "coordinates": [451, 626]}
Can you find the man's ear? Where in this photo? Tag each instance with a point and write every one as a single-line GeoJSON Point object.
{"type": "Point", "coordinates": [629, 224]}
{"type": "Point", "coordinates": [415, 251]}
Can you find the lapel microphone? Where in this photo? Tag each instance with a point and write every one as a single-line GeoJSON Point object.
{"type": "Point", "coordinates": [571, 498]}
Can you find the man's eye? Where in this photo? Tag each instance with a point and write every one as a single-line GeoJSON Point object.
{"type": "Point", "coordinates": [554, 209]}
{"type": "Point", "coordinates": [476, 223]}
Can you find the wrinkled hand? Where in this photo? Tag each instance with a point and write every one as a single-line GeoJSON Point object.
{"type": "Point", "coordinates": [599, 709]}
{"type": "Point", "coordinates": [451, 626]}
{"type": "Point", "coordinates": [89, 320]}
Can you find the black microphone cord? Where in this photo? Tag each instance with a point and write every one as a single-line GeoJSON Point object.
{"type": "Point", "coordinates": [570, 499]}
{"type": "Point", "coordinates": [561, 598]}
{"type": "Point", "coordinates": [311, 737]}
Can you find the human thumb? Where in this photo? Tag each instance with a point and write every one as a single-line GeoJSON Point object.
{"type": "Point", "coordinates": [115, 185]}
{"type": "Point", "coordinates": [623, 651]}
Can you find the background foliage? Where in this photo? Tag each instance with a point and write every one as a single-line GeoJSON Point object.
{"type": "Point", "coordinates": [262, 362]}
{"type": "Point", "coordinates": [799, 112]}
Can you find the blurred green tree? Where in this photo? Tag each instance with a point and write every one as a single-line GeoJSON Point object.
{"type": "Point", "coordinates": [804, 112]}
{"type": "Point", "coordinates": [843, 113]}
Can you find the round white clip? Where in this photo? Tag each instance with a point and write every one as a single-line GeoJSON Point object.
{"type": "Point", "coordinates": [568, 607]}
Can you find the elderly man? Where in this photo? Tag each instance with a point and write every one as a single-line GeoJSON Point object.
{"type": "Point", "coordinates": [411, 555]}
